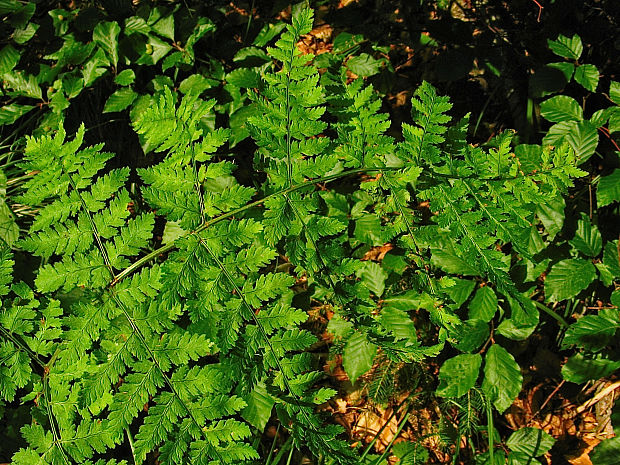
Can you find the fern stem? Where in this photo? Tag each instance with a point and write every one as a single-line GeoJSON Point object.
{"type": "Point", "coordinates": [499, 224]}
{"type": "Point", "coordinates": [489, 266]}
{"type": "Point", "coordinates": [22, 346]}
{"type": "Point", "coordinates": [289, 65]}
{"type": "Point", "coordinates": [201, 200]}
{"type": "Point", "coordinates": [376, 438]}
{"type": "Point", "coordinates": [490, 427]}
{"type": "Point", "coordinates": [168, 247]}
{"type": "Point", "coordinates": [131, 445]}
{"type": "Point", "coordinates": [52, 418]}
{"type": "Point", "coordinates": [165, 377]}
{"type": "Point", "coordinates": [290, 456]}
{"type": "Point", "coordinates": [388, 448]}
{"type": "Point", "coordinates": [103, 250]}
{"type": "Point", "coordinates": [282, 451]}
{"type": "Point", "coordinates": [258, 324]}
{"type": "Point", "coordinates": [134, 325]}
{"type": "Point", "coordinates": [273, 446]}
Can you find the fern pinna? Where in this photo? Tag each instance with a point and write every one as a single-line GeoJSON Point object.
{"type": "Point", "coordinates": [173, 348]}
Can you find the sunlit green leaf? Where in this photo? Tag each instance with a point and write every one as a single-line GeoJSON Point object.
{"type": "Point", "coordinates": [568, 278]}
{"type": "Point", "coordinates": [358, 355]}
{"type": "Point", "coordinates": [502, 377]}
{"type": "Point", "coordinates": [458, 375]}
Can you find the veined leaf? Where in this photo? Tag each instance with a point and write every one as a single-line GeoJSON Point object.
{"type": "Point", "coordinates": [533, 442]}
{"type": "Point", "coordinates": [608, 189]}
{"type": "Point", "coordinates": [561, 108]}
{"type": "Point", "coordinates": [581, 368]}
{"type": "Point", "coordinates": [587, 76]}
{"type": "Point", "coordinates": [11, 113]}
{"type": "Point", "coordinates": [105, 35]}
{"type": "Point", "coordinates": [567, 47]}
{"type": "Point", "coordinates": [259, 405]}
{"type": "Point", "coordinates": [587, 238]}
{"type": "Point", "coordinates": [593, 332]}
{"type": "Point", "coordinates": [606, 452]}
{"type": "Point", "coordinates": [502, 377]}
{"type": "Point", "coordinates": [458, 375]}
{"type": "Point", "coordinates": [125, 77]}
{"type": "Point", "coordinates": [8, 59]}
{"type": "Point", "coordinates": [484, 304]}
{"type": "Point", "coordinates": [358, 355]}
{"type": "Point", "coordinates": [568, 278]}
{"type": "Point", "coordinates": [120, 100]}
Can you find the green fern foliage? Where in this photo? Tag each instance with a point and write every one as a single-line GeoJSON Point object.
{"type": "Point", "coordinates": [180, 346]}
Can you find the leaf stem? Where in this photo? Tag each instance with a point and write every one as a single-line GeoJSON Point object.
{"type": "Point", "coordinates": [551, 313]}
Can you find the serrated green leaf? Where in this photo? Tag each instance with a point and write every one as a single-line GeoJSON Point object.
{"type": "Point", "coordinates": [243, 77]}
{"type": "Point", "coordinates": [484, 304]}
{"type": "Point", "coordinates": [458, 375]}
{"type": "Point", "coordinates": [165, 27]}
{"type": "Point", "coordinates": [373, 277]}
{"type": "Point", "coordinates": [568, 278]}
{"type": "Point", "coordinates": [358, 355]}
{"type": "Point", "coordinates": [614, 119]}
{"type": "Point", "coordinates": [551, 215]}
{"type": "Point", "coordinates": [561, 108]}
{"type": "Point", "coordinates": [135, 24]}
{"type": "Point", "coordinates": [24, 34]}
{"type": "Point", "coordinates": [471, 335]}
{"type": "Point", "coordinates": [125, 77]}
{"type": "Point", "coordinates": [346, 42]}
{"type": "Point", "coordinates": [606, 452]}
{"type": "Point", "coordinates": [368, 229]}
{"type": "Point", "coordinates": [9, 229]}
{"type": "Point", "coordinates": [105, 35]}
{"type": "Point", "coordinates": [502, 377]}
{"type": "Point", "coordinates": [587, 76]}
{"type": "Point", "coordinates": [399, 323]}
{"type": "Point", "coordinates": [447, 260]}
{"type": "Point", "coordinates": [11, 113]}
{"type": "Point", "coordinates": [259, 406]}
{"type": "Point", "coordinates": [533, 442]}
{"type": "Point", "coordinates": [120, 100]}
{"type": "Point", "coordinates": [72, 86]}
{"type": "Point", "coordinates": [195, 84]}
{"type": "Point", "coordinates": [611, 258]}
{"type": "Point", "coordinates": [364, 65]}
{"type": "Point", "coordinates": [593, 332]}
{"type": "Point", "coordinates": [22, 84]}
{"type": "Point", "coordinates": [8, 59]}
{"type": "Point", "coordinates": [9, 6]}
{"type": "Point", "coordinates": [251, 57]}
{"type": "Point", "coordinates": [581, 136]}
{"type": "Point", "coordinates": [566, 47]}
{"type": "Point", "coordinates": [587, 238]}
{"type": "Point", "coordinates": [600, 117]}
{"type": "Point", "coordinates": [461, 290]}
{"type": "Point", "coordinates": [608, 189]}
{"type": "Point", "coordinates": [614, 92]}
{"type": "Point", "coordinates": [580, 368]}
{"type": "Point", "coordinates": [267, 33]}
{"type": "Point", "coordinates": [155, 50]}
